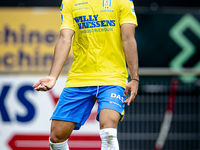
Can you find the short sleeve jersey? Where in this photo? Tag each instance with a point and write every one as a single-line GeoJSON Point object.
{"type": "Point", "coordinates": [97, 45]}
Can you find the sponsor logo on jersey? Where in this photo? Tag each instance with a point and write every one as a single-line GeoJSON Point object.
{"type": "Point", "coordinates": [91, 21]}
{"type": "Point", "coordinates": [106, 4]}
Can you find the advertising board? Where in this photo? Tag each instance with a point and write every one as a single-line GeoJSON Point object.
{"type": "Point", "coordinates": [28, 37]}
{"type": "Point", "coordinates": [25, 114]}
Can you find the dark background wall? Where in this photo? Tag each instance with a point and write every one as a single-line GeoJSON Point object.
{"type": "Point", "coordinates": [161, 3]}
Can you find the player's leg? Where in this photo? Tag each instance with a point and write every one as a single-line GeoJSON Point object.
{"type": "Point", "coordinates": [110, 111]}
{"type": "Point", "coordinates": [73, 109]}
{"type": "Point", "coordinates": [60, 132]}
{"type": "Point", "coordinates": [109, 119]}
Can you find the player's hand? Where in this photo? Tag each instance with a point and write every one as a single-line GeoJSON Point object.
{"type": "Point", "coordinates": [133, 87]}
{"type": "Point", "coordinates": [45, 84]}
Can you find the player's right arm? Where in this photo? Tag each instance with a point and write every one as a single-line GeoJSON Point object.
{"type": "Point", "coordinates": [61, 53]}
{"type": "Point", "coordinates": [62, 48]}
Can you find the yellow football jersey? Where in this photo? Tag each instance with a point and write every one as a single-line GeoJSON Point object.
{"type": "Point", "coordinates": [97, 46]}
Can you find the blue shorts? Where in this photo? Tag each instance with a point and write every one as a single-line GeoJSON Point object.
{"type": "Point", "coordinates": [75, 103]}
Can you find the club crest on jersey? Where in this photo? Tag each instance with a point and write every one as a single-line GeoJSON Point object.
{"type": "Point", "coordinates": [106, 4]}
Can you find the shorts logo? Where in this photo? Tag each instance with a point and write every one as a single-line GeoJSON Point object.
{"type": "Point", "coordinates": [106, 4]}
{"type": "Point", "coordinates": [117, 96]}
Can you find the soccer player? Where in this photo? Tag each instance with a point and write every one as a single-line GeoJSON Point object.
{"type": "Point", "coordinates": [103, 38]}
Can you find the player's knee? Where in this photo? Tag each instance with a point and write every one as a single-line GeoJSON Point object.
{"type": "Point", "coordinates": [55, 138]}
{"type": "Point", "coordinates": [108, 123]}
{"type": "Point", "coordinates": [108, 118]}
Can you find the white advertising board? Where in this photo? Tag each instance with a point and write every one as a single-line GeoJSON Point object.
{"type": "Point", "coordinates": [25, 113]}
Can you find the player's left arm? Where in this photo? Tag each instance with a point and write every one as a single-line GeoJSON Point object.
{"type": "Point", "coordinates": [130, 51]}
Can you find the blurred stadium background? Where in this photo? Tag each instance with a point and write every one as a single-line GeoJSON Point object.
{"type": "Point", "coordinates": [166, 112]}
